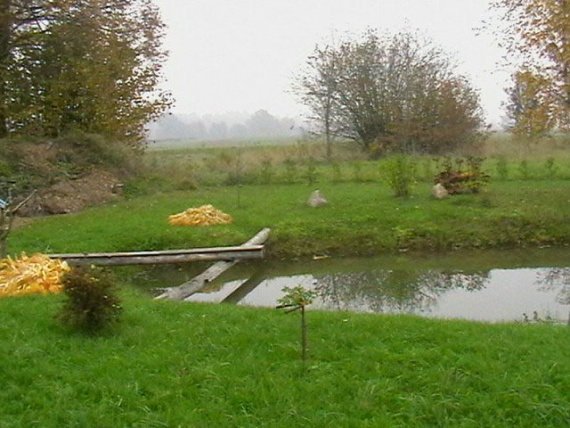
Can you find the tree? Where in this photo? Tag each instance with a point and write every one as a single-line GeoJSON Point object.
{"type": "Point", "coordinates": [527, 107]}
{"type": "Point", "coordinates": [317, 90]}
{"type": "Point", "coordinates": [263, 124]}
{"type": "Point", "coordinates": [91, 65]}
{"type": "Point", "coordinates": [538, 32]}
{"type": "Point", "coordinates": [389, 93]}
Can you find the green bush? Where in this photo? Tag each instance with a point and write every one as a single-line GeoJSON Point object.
{"type": "Point", "coordinates": [91, 304]}
{"type": "Point", "coordinates": [400, 174]}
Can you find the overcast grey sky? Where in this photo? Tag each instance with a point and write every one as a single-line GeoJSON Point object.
{"type": "Point", "coordinates": [240, 55]}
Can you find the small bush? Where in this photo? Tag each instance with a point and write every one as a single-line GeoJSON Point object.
{"type": "Point", "coordinates": [91, 305]}
{"type": "Point", "coordinates": [524, 170]}
{"type": "Point", "coordinates": [550, 168]}
{"type": "Point", "coordinates": [311, 171]}
{"type": "Point", "coordinates": [400, 174]}
{"type": "Point", "coordinates": [502, 168]}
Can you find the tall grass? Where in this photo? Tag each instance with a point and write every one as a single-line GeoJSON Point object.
{"type": "Point", "coordinates": [305, 161]}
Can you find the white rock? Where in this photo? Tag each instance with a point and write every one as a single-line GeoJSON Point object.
{"type": "Point", "coordinates": [439, 192]}
{"type": "Point", "coordinates": [316, 199]}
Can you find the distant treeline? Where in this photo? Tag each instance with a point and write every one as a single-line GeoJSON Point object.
{"type": "Point", "coordinates": [261, 124]}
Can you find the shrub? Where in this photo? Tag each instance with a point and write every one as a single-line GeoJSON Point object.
{"type": "Point", "coordinates": [502, 168]}
{"type": "Point", "coordinates": [400, 174]}
{"type": "Point", "coordinates": [91, 304]}
{"type": "Point", "coordinates": [311, 172]}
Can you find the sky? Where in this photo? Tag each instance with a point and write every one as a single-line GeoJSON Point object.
{"type": "Point", "coordinates": [242, 55]}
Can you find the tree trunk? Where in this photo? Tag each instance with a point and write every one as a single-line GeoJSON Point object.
{"type": "Point", "coordinates": [5, 36]}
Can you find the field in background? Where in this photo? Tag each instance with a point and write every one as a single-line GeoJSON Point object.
{"type": "Point", "coordinates": [524, 204]}
{"type": "Point", "coordinates": [187, 164]}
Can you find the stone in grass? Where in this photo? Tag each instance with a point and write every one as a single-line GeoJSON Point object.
{"type": "Point", "coordinates": [316, 199]}
{"type": "Point", "coordinates": [439, 192]}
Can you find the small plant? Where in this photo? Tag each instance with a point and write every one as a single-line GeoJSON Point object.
{"type": "Point", "coordinates": [524, 170]}
{"type": "Point", "coordinates": [357, 172]}
{"type": "Point", "coordinates": [550, 168]}
{"type": "Point", "coordinates": [290, 171]}
{"type": "Point", "coordinates": [427, 169]}
{"type": "Point", "coordinates": [502, 169]}
{"type": "Point", "coordinates": [400, 175]}
{"type": "Point", "coordinates": [266, 173]}
{"type": "Point", "coordinates": [336, 173]}
{"type": "Point", "coordinates": [91, 305]}
{"type": "Point", "coordinates": [311, 173]}
{"type": "Point", "coordinates": [296, 298]}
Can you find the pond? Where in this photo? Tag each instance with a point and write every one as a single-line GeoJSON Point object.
{"type": "Point", "coordinates": [484, 286]}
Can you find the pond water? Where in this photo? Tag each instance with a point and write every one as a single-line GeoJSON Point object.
{"type": "Point", "coordinates": [483, 286]}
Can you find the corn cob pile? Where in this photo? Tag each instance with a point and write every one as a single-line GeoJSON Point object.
{"type": "Point", "coordinates": [206, 215]}
{"type": "Point", "coordinates": [35, 274]}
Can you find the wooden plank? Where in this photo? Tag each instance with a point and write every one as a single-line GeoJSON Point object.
{"type": "Point", "coordinates": [197, 283]}
{"type": "Point", "coordinates": [160, 257]}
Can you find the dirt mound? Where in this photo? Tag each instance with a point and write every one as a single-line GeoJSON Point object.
{"type": "Point", "coordinates": [67, 177]}
{"type": "Point", "coordinates": [71, 195]}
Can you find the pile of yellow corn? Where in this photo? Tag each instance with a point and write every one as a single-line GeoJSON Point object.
{"type": "Point", "coordinates": [35, 274]}
{"type": "Point", "coordinates": [206, 215]}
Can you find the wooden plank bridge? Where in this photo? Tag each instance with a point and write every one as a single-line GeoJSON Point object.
{"type": "Point", "coordinates": [226, 257]}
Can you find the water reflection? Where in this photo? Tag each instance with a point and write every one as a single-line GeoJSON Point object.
{"type": "Point", "coordinates": [393, 291]}
{"type": "Point", "coordinates": [479, 286]}
{"type": "Point", "coordinates": [558, 280]}
{"type": "Point", "coordinates": [495, 295]}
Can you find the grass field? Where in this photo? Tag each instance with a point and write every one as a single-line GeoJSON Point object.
{"type": "Point", "coordinates": [181, 365]}
{"type": "Point", "coordinates": [360, 219]}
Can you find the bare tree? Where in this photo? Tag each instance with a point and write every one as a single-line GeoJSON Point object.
{"type": "Point", "coordinates": [317, 90]}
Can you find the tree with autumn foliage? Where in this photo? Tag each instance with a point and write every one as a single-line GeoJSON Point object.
{"type": "Point", "coordinates": [527, 107]}
{"type": "Point", "coordinates": [91, 66]}
{"type": "Point", "coordinates": [537, 33]}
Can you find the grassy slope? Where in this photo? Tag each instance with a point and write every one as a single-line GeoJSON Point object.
{"type": "Point", "coordinates": [172, 364]}
{"type": "Point", "coordinates": [361, 218]}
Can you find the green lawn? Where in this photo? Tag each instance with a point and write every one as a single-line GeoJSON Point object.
{"type": "Point", "coordinates": [360, 219]}
{"type": "Point", "coordinates": [183, 365]}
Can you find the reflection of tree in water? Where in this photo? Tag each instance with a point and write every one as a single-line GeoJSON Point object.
{"type": "Point", "coordinates": [395, 291]}
{"type": "Point", "coordinates": [556, 278]}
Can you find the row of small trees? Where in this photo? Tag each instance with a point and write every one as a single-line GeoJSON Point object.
{"type": "Point", "coordinates": [389, 93]}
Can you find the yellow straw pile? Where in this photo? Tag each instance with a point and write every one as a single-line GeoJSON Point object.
{"type": "Point", "coordinates": [35, 274]}
{"type": "Point", "coordinates": [206, 215]}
